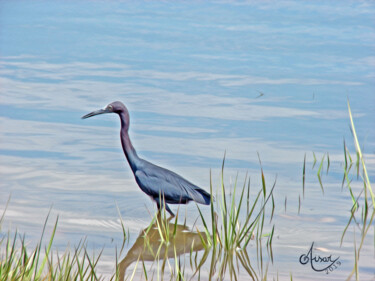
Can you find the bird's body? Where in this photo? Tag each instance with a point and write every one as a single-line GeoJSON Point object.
{"type": "Point", "coordinates": [161, 184]}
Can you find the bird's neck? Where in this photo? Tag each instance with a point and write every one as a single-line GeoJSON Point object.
{"type": "Point", "coordinates": [130, 153]}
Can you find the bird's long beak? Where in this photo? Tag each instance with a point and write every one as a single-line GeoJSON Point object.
{"type": "Point", "coordinates": [96, 112]}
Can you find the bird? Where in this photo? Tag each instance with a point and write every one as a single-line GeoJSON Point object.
{"type": "Point", "coordinates": [162, 185]}
{"type": "Point", "coordinates": [260, 94]}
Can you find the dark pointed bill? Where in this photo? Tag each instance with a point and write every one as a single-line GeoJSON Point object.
{"type": "Point", "coordinates": [96, 112]}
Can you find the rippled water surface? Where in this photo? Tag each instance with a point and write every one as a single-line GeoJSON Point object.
{"type": "Point", "coordinates": [199, 79]}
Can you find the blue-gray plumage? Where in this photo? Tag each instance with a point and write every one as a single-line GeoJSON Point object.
{"type": "Point", "coordinates": [157, 182]}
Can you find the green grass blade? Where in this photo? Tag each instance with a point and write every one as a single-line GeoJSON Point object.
{"type": "Point", "coordinates": [273, 208]}
{"type": "Point", "coordinates": [304, 176]}
{"type": "Point", "coordinates": [48, 249]}
{"type": "Point", "coordinates": [40, 245]}
{"type": "Point", "coordinates": [285, 203]}
{"type": "Point", "coordinates": [314, 160]}
{"type": "Point", "coordinates": [358, 148]}
{"type": "Point", "coordinates": [319, 173]}
{"type": "Point", "coordinates": [263, 179]}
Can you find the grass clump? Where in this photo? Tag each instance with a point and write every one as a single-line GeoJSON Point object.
{"type": "Point", "coordinates": [17, 262]}
{"type": "Point", "coordinates": [362, 212]}
{"type": "Point", "coordinates": [236, 222]}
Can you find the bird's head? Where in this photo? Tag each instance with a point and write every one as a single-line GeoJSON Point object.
{"type": "Point", "coordinates": [114, 107]}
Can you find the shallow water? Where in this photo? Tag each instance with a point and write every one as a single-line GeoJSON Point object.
{"type": "Point", "coordinates": [199, 80]}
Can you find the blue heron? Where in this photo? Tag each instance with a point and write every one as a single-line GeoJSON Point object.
{"type": "Point", "coordinates": [162, 185]}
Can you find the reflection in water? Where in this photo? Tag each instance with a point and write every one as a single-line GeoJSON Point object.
{"type": "Point", "coordinates": [162, 240]}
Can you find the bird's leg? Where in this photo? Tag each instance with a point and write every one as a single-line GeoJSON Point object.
{"type": "Point", "coordinates": [160, 204]}
{"type": "Point", "coordinates": [169, 210]}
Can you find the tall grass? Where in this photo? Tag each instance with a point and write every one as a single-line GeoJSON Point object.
{"type": "Point", "coordinates": [19, 263]}
{"type": "Point", "coordinates": [362, 212]}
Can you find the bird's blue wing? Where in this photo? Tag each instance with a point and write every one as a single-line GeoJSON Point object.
{"type": "Point", "coordinates": [156, 186]}
{"type": "Point", "coordinates": [156, 181]}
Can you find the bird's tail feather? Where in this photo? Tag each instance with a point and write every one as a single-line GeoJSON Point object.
{"type": "Point", "coordinates": [203, 197]}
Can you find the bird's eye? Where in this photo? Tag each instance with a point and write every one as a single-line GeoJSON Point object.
{"type": "Point", "coordinates": [110, 107]}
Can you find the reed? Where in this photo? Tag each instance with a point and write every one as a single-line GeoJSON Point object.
{"type": "Point", "coordinates": [364, 201]}
{"type": "Point", "coordinates": [18, 263]}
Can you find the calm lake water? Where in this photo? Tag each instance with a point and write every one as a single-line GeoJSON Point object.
{"type": "Point", "coordinates": [199, 79]}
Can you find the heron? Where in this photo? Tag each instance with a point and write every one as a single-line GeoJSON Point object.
{"type": "Point", "coordinates": [162, 185]}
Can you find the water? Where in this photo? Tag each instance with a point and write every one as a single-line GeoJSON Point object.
{"type": "Point", "coordinates": [199, 79]}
